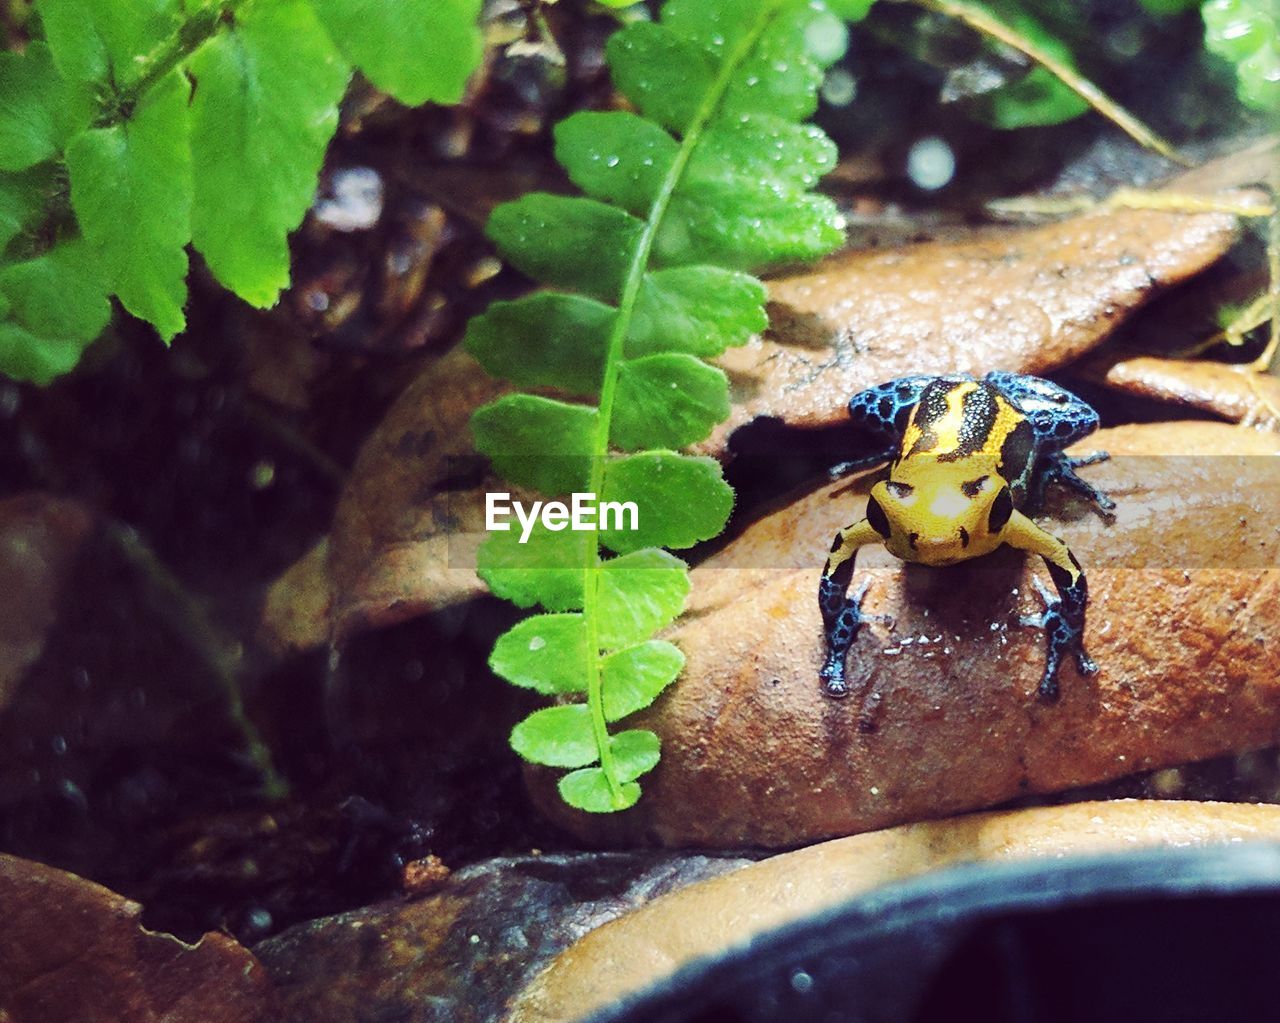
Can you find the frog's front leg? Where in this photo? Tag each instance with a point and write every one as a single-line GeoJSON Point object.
{"type": "Point", "coordinates": [1058, 466]}
{"type": "Point", "coordinates": [842, 615]}
{"type": "Point", "coordinates": [1063, 619]}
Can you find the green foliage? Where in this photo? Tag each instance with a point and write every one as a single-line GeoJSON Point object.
{"type": "Point", "coordinates": [131, 190]}
{"type": "Point", "coordinates": [709, 179]}
{"type": "Point", "coordinates": [139, 126]}
{"type": "Point", "coordinates": [1039, 98]}
{"type": "Point", "coordinates": [265, 108]}
{"type": "Point", "coordinates": [1247, 33]}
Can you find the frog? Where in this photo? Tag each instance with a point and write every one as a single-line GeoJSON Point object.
{"type": "Point", "coordinates": [970, 460]}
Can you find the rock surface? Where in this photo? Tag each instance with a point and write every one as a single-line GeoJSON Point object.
{"type": "Point", "coordinates": [71, 950]}
{"type": "Point", "coordinates": [645, 945]}
{"type": "Point", "coordinates": [460, 955]}
{"type": "Point", "coordinates": [1184, 622]}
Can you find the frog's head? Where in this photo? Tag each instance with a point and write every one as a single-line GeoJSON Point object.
{"type": "Point", "coordinates": [938, 513]}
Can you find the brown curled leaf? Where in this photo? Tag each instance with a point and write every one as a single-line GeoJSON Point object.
{"type": "Point", "coordinates": [1020, 299]}
{"type": "Point", "coordinates": [1184, 623]}
{"type": "Point", "coordinates": [40, 538]}
{"type": "Point", "coordinates": [461, 952]}
{"type": "Point", "coordinates": [1232, 392]}
{"type": "Point", "coordinates": [72, 950]}
{"type": "Point", "coordinates": [626, 955]}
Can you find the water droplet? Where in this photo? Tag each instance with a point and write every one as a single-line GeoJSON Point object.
{"type": "Point", "coordinates": [801, 982]}
{"type": "Point", "coordinates": [612, 161]}
{"type": "Point", "coordinates": [930, 163]}
{"type": "Point", "coordinates": [537, 643]}
{"type": "Point", "coordinates": [839, 87]}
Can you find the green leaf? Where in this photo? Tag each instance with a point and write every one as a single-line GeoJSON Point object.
{"type": "Point", "coordinates": [661, 73]}
{"type": "Point", "coordinates": [58, 294]}
{"type": "Point", "coordinates": [38, 109]}
{"type": "Point", "coordinates": [744, 227]}
{"type": "Point", "coordinates": [131, 191]}
{"type": "Point", "coordinates": [542, 235]}
{"type": "Point", "coordinates": [634, 677]}
{"type": "Point", "coordinates": [546, 652]}
{"type": "Point", "coordinates": [850, 10]}
{"type": "Point", "coordinates": [417, 50]}
{"type": "Point", "coordinates": [266, 105]}
{"type": "Point", "coordinates": [681, 500]}
{"type": "Point", "coordinates": [615, 156]}
{"type": "Point", "coordinates": [639, 593]}
{"type": "Point", "coordinates": [589, 790]}
{"type": "Point", "coordinates": [635, 752]}
{"type": "Point", "coordinates": [546, 570]}
{"type": "Point", "coordinates": [546, 339]}
{"type": "Point", "coordinates": [760, 150]}
{"type": "Point", "coordinates": [786, 68]}
{"type": "Point", "coordinates": [667, 401]}
{"type": "Point", "coordinates": [1040, 98]}
{"type": "Point", "coordinates": [557, 737]}
{"type": "Point", "coordinates": [56, 306]}
{"type": "Point", "coordinates": [22, 200]}
{"type": "Point", "coordinates": [23, 356]}
{"type": "Point", "coordinates": [537, 442]}
{"type": "Point", "coordinates": [697, 309]}
{"type": "Point", "coordinates": [101, 40]}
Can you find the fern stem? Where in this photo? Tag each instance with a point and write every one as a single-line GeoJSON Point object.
{"type": "Point", "coordinates": [982, 21]}
{"type": "Point", "coordinates": [201, 26]}
{"type": "Point", "coordinates": [613, 363]}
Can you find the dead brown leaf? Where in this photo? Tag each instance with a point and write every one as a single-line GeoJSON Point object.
{"type": "Point", "coordinates": [1022, 299]}
{"type": "Point", "coordinates": [1233, 392]}
{"type": "Point", "coordinates": [40, 537]}
{"type": "Point", "coordinates": [626, 955]}
{"type": "Point", "coordinates": [1184, 622]}
{"type": "Point", "coordinates": [461, 952]}
{"type": "Point", "coordinates": [1026, 300]}
{"type": "Point", "coordinates": [72, 950]}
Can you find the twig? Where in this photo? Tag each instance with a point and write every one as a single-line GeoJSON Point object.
{"type": "Point", "coordinates": [982, 21]}
{"type": "Point", "coordinates": [219, 653]}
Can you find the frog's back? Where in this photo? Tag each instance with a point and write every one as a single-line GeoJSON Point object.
{"type": "Point", "coordinates": [959, 418]}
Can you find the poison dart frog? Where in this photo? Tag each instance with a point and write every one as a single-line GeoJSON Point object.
{"type": "Point", "coordinates": [969, 463]}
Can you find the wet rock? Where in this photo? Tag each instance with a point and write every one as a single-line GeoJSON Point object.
{"type": "Point", "coordinates": [1232, 392]}
{"type": "Point", "coordinates": [1184, 623]}
{"type": "Point", "coordinates": [72, 950]}
{"type": "Point", "coordinates": [459, 955]}
{"type": "Point", "coordinates": [624, 956]}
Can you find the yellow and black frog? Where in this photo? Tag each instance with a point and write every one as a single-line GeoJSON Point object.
{"type": "Point", "coordinates": [969, 463]}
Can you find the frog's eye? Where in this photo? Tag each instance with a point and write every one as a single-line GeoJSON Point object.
{"type": "Point", "coordinates": [876, 516]}
{"type": "Point", "coordinates": [1001, 511]}
{"type": "Point", "coordinates": [973, 488]}
{"type": "Point", "coordinates": [899, 489]}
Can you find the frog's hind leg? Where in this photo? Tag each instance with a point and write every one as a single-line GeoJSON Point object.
{"type": "Point", "coordinates": [1057, 466]}
{"type": "Point", "coordinates": [1058, 419]}
{"type": "Point", "coordinates": [882, 412]}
